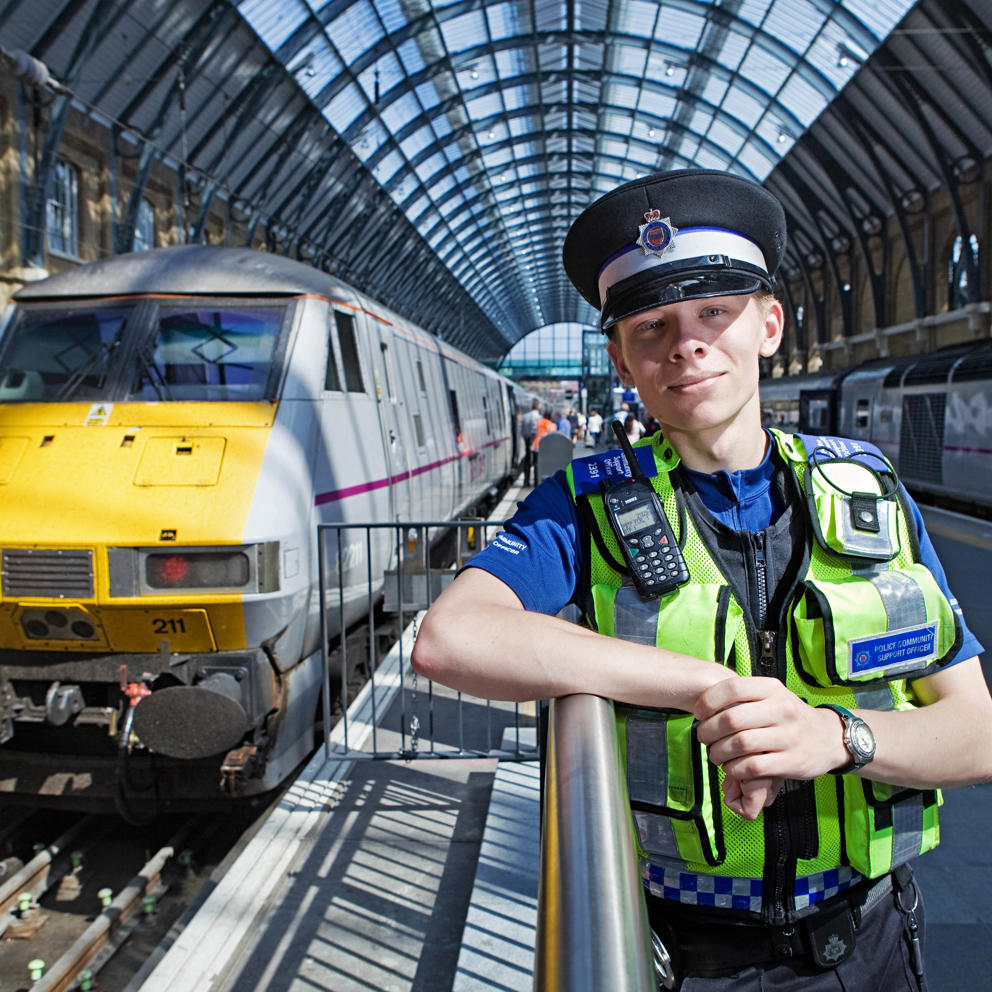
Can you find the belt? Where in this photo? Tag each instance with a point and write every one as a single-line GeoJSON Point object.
{"type": "Point", "coordinates": [708, 943]}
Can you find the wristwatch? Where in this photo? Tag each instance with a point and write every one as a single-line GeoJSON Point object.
{"type": "Point", "coordinates": [858, 739]}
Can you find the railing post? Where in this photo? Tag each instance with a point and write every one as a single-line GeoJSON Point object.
{"type": "Point", "coordinates": [592, 929]}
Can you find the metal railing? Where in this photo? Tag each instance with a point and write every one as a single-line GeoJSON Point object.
{"type": "Point", "coordinates": [394, 571]}
{"type": "Point", "coordinates": [592, 928]}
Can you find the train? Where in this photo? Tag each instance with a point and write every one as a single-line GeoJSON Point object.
{"type": "Point", "coordinates": [175, 425]}
{"type": "Point", "coordinates": [931, 415]}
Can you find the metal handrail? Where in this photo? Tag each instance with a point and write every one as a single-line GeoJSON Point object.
{"type": "Point", "coordinates": [592, 928]}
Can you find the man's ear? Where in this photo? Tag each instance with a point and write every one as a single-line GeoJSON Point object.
{"type": "Point", "coordinates": [616, 356]}
{"type": "Point", "coordinates": [774, 324]}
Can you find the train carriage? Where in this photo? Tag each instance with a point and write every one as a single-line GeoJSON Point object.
{"type": "Point", "coordinates": [174, 425]}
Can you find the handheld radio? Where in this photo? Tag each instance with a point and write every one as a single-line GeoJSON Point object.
{"type": "Point", "coordinates": [645, 536]}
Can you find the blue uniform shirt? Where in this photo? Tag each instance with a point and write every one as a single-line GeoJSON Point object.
{"type": "Point", "coordinates": [538, 555]}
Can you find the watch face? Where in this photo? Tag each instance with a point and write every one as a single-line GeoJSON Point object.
{"type": "Point", "coordinates": [862, 738]}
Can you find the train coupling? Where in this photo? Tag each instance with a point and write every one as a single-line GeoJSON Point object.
{"type": "Point", "coordinates": [239, 764]}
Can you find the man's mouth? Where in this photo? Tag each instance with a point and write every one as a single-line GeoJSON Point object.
{"type": "Point", "coordinates": [688, 381]}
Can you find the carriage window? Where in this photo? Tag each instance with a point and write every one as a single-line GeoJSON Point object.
{"type": "Point", "coordinates": [418, 426]}
{"type": "Point", "coordinates": [862, 414]}
{"type": "Point", "coordinates": [332, 381]}
{"type": "Point", "coordinates": [420, 377]}
{"type": "Point", "coordinates": [209, 352]}
{"type": "Point", "coordinates": [60, 354]}
{"type": "Point", "coordinates": [353, 380]}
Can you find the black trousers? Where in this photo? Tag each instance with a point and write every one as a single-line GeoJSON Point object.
{"type": "Point", "coordinates": [882, 959]}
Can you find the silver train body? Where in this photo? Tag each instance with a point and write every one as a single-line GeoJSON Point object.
{"type": "Point", "coordinates": [931, 415]}
{"type": "Point", "coordinates": [174, 426]}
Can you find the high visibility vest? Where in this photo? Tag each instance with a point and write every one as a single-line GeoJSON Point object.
{"type": "Point", "coordinates": [865, 616]}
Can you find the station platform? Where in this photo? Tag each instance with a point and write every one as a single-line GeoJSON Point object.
{"type": "Point", "coordinates": [422, 875]}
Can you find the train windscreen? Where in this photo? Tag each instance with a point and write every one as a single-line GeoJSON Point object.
{"type": "Point", "coordinates": [208, 353]}
{"type": "Point", "coordinates": [142, 350]}
{"type": "Point", "coordinates": [55, 354]}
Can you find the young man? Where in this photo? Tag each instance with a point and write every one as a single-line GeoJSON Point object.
{"type": "Point", "coordinates": [791, 700]}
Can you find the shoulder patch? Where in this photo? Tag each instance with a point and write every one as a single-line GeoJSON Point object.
{"type": "Point", "coordinates": [588, 472]}
{"type": "Point", "coordinates": [820, 447]}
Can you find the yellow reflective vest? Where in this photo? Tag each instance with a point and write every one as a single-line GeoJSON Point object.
{"type": "Point", "coordinates": [862, 618]}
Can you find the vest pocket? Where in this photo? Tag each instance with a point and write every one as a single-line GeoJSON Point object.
{"type": "Point", "coordinates": [674, 789]}
{"type": "Point", "coordinates": [894, 624]}
{"type": "Point", "coordinates": [886, 826]}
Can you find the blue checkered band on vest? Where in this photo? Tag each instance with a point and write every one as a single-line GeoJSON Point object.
{"type": "Point", "coordinates": [742, 894]}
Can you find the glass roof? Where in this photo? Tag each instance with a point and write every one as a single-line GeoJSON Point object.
{"type": "Point", "coordinates": [491, 125]}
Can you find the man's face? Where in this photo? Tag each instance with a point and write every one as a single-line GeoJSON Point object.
{"type": "Point", "coordinates": [695, 363]}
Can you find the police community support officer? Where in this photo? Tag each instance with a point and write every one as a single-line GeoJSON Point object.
{"type": "Point", "coordinates": [789, 712]}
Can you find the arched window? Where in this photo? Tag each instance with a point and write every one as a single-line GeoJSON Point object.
{"type": "Point", "coordinates": [62, 219]}
{"type": "Point", "coordinates": [144, 229]}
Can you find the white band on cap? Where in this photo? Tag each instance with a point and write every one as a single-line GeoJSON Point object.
{"type": "Point", "coordinates": [690, 242]}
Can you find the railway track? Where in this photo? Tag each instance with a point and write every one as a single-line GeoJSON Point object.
{"type": "Point", "coordinates": [97, 886]}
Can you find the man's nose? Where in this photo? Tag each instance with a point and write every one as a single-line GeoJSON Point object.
{"type": "Point", "coordinates": [687, 341]}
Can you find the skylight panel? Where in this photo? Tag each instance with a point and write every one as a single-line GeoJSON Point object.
{"type": "Point", "coordinates": [715, 90]}
{"type": "Point", "coordinates": [740, 104]}
{"type": "Point", "coordinates": [628, 60]}
{"type": "Point", "coordinates": [441, 125]}
{"type": "Point", "coordinates": [502, 20]}
{"type": "Point", "coordinates": [429, 166]}
{"type": "Point", "coordinates": [414, 144]}
{"type": "Point", "coordinates": [617, 122]}
{"type": "Point", "coordinates": [755, 162]}
{"type": "Point", "coordinates": [390, 74]}
{"type": "Point", "coordinates": [879, 16]}
{"type": "Point", "coordinates": [400, 112]}
{"type": "Point", "coordinates": [510, 63]}
{"type": "Point", "coordinates": [726, 136]}
{"type": "Point", "coordinates": [735, 47]}
{"type": "Point", "coordinates": [315, 67]}
{"type": "Point", "coordinates": [495, 158]}
{"type": "Point", "coordinates": [710, 158]}
{"type": "Point", "coordinates": [752, 11]}
{"type": "Point", "coordinates": [765, 69]}
{"type": "Point", "coordinates": [656, 104]}
{"type": "Point", "coordinates": [387, 167]}
{"type": "Point", "coordinates": [637, 18]}
{"type": "Point", "coordinates": [464, 31]}
{"type": "Point", "coordinates": [439, 185]}
{"type": "Point", "coordinates": [484, 106]}
{"type": "Point", "coordinates": [516, 97]}
{"type": "Point", "coordinates": [589, 57]}
{"type": "Point", "coordinates": [391, 12]}
{"type": "Point", "coordinates": [274, 20]}
{"type": "Point", "coordinates": [355, 31]}
{"type": "Point", "coordinates": [427, 95]}
{"type": "Point", "coordinates": [410, 56]}
{"type": "Point", "coordinates": [802, 99]}
{"type": "Point", "coordinates": [345, 107]}
{"type": "Point", "coordinates": [679, 27]}
{"type": "Point", "coordinates": [794, 24]}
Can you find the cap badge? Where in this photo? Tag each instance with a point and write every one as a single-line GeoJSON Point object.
{"type": "Point", "coordinates": [657, 233]}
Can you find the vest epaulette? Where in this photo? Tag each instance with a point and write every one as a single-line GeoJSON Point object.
{"type": "Point", "coordinates": [588, 472]}
{"type": "Point", "coordinates": [844, 447]}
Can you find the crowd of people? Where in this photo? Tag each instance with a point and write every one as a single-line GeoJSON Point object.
{"type": "Point", "coordinates": [589, 431]}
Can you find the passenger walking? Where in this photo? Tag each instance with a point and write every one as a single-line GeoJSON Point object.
{"type": "Point", "coordinates": [528, 432]}
{"type": "Point", "coordinates": [544, 426]}
{"type": "Point", "coordinates": [795, 682]}
{"type": "Point", "coordinates": [594, 426]}
{"type": "Point", "coordinates": [563, 424]}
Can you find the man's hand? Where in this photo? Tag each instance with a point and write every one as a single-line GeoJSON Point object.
{"type": "Point", "coordinates": [761, 733]}
{"type": "Point", "coordinates": [749, 798]}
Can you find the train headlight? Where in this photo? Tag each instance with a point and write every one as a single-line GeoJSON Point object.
{"type": "Point", "coordinates": [156, 571]}
{"type": "Point", "coordinates": [198, 570]}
